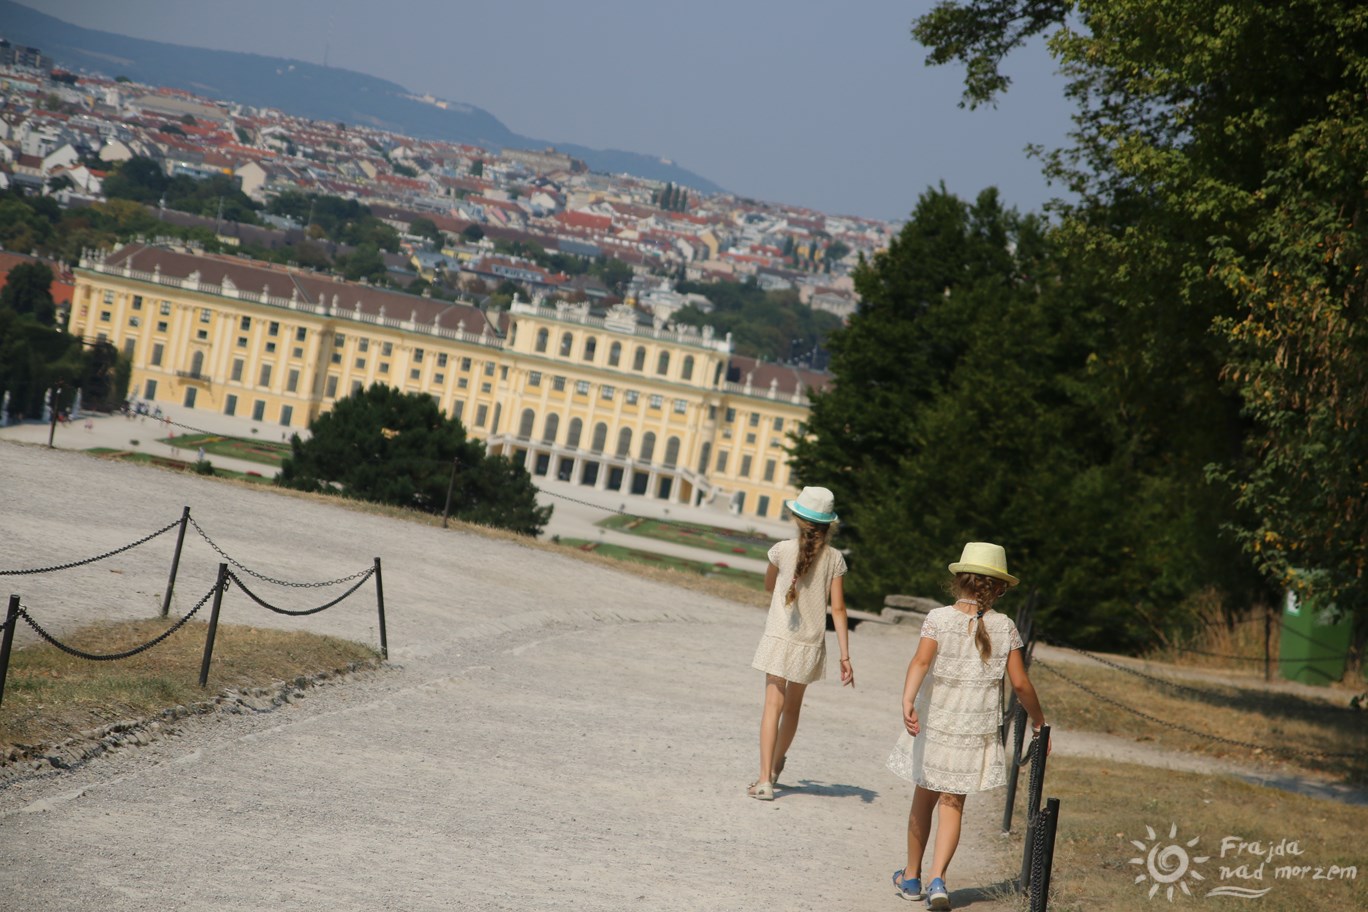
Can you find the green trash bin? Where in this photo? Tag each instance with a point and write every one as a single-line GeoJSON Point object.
{"type": "Point", "coordinates": [1313, 646]}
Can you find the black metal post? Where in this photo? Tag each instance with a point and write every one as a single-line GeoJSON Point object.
{"type": "Point", "coordinates": [175, 561]}
{"type": "Point", "coordinates": [213, 623]}
{"type": "Point", "coordinates": [1018, 738]}
{"type": "Point", "coordinates": [380, 603]}
{"type": "Point", "coordinates": [11, 619]}
{"type": "Point", "coordinates": [1047, 823]}
{"type": "Point", "coordinates": [451, 485]}
{"type": "Point", "coordinates": [1268, 642]}
{"type": "Point", "coordinates": [56, 410]}
{"type": "Point", "coordinates": [1037, 785]}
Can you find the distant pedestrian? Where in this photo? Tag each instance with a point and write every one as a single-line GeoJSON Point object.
{"type": "Point", "coordinates": [199, 456]}
{"type": "Point", "coordinates": [950, 746]}
{"type": "Point", "coordinates": [804, 576]}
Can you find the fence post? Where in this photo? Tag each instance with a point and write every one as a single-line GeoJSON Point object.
{"type": "Point", "coordinates": [1268, 642]}
{"type": "Point", "coordinates": [1018, 737]}
{"type": "Point", "coordinates": [213, 623]}
{"type": "Point", "coordinates": [175, 561]}
{"type": "Point", "coordinates": [380, 603]}
{"type": "Point", "coordinates": [11, 619]}
{"type": "Point", "coordinates": [1044, 855]}
{"type": "Point", "coordinates": [1037, 785]}
{"type": "Point", "coordinates": [451, 486]}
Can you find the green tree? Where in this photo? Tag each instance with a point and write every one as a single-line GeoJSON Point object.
{"type": "Point", "coordinates": [477, 168]}
{"type": "Point", "coordinates": [1218, 163]}
{"type": "Point", "coordinates": [28, 291]}
{"type": "Point", "coordinates": [390, 447]}
{"type": "Point", "coordinates": [472, 233]}
{"type": "Point", "coordinates": [426, 228]}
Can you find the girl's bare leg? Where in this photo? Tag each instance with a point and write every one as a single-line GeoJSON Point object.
{"type": "Point", "coordinates": [918, 829]}
{"type": "Point", "coordinates": [769, 723]}
{"type": "Point", "coordinates": [788, 722]}
{"type": "Point", "coordinates": [947, 832]}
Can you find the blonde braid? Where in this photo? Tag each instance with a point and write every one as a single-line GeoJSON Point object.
{"type": "Point", "coordinates": [985, 591]}
{"type": "Point", "coordinates": [812, 539]}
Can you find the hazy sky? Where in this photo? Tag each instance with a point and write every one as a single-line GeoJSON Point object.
{"type": "Point", "coordinates": [822, 104]}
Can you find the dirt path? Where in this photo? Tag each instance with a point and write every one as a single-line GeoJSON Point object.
{"type": "Point", "coordinates": [551, 734]}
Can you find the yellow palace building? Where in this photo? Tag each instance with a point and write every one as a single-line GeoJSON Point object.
{"type": "Point", "coordinates": [612, 400]}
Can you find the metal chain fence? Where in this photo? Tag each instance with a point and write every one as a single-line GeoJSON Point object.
{"type": "Point", "coordinates": [268, 579]}
{"type": "Point", "coordinates": [90, 560]}
{"type": "Point", "coordinates": [269, 607]}
{"type": "Point", "coordinates": [1234, 742]}
{"type": "Point", "coordinates": [71, 650]}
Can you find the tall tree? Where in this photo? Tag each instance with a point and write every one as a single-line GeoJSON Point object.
{"type": "Point", "coordinates": [1219, 164]}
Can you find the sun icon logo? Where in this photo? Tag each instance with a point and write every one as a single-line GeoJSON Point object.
{"type": "Point", "coordinates": [1168, 865]}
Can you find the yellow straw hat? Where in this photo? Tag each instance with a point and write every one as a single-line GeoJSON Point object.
{"type": "Point", "coordinates": [986, 559]}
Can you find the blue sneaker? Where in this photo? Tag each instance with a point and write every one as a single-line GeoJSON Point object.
{"type": "Point", "coordinates": [907, 889]}
{"type": "Point", "coordinates": [937, 896]}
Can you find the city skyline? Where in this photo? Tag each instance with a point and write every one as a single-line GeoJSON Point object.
{"type": "Point", "coordinates": [833, 111]}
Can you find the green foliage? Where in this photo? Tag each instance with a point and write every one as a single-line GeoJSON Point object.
{"type": "Point", "coordinates": [28, 291]}
{"type": "Point", "coordinates": [773, 325]}
{"type": "Point", "coordinates": [390, 447]}
{"type": "Point", "coordinates": [341, 220]}
{"type": "Point", "coordinates": [472, 233]}
{"type": "Point", "coordinates": [425, 228]}
{"type": "Point", "coordinates": [1218, 162]}
{"type": "Point", "coordinates": [142, 180]}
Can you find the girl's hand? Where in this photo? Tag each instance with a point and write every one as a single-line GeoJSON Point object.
{"type": "Point", "coordinates": [847, 673]}
{"type": "Point", "coordinates": [910, 721]}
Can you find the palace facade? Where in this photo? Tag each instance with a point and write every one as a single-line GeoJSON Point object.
{"type": "Point", "coordinates": [616, 400]}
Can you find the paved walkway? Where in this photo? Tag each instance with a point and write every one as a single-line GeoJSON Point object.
{"type": "Point", "coordinates": [551, 734]}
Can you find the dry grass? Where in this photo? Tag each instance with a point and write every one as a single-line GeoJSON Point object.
{"type": "Point", "coordinates": [1192, 719]}
{"type": "Point", "coordinates": [1104, 806]}
{"type": "Point", "coordinates": [51, 696]}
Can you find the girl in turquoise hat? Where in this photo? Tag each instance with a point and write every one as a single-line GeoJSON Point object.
{"type": "Point", "coordinates": [803, 577]}
{"type": "Point", "coordinates": [950, 746]}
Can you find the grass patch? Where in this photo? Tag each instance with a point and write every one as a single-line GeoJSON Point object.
{"type": "Point", "coordinates": [752, 581]}
{"type": "Point", "coordinates": [696, 535]}
{"type": "Point", "coordinates": [177, 465]}
{"type": "Point", "coordinates": [264, 452]}
{"type": "Point", "coordinates": [1105, 805]}
{"type": "Point", "coordinates": [1268, 719]}
{"type": "Point", "coordinates": [51, 696]}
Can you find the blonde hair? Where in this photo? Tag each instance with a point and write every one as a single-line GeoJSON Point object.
{"type": "Point", "coordinates": [812, 540]}
{"type": "Point", "coordinates": [985, 590]}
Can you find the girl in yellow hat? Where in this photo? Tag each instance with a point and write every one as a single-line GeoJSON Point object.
{"type": "Point", "coordinates": [804, 576]}
{"type": "Point", "coordinates": [951, 746]}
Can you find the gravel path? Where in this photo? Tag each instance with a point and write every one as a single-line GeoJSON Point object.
{"type": "Point", "coordinates": [549, 733]}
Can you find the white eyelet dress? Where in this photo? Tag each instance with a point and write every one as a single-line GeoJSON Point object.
{"type": "Point", "coordinates": [794, 644]}
{"type": "Point", "coordinates": [960, 707]}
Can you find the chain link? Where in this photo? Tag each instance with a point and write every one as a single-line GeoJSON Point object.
{"type": "Point", "coordinates": [71, 650]}
{"type": "Point", "coordinates": [278, 582]}
{"type": "Point", "coordinates": [269, 607]}
{"type": "Point", "coordinates": [90, 560]}
{"type": "Point", "coordinates": [1192, 731]}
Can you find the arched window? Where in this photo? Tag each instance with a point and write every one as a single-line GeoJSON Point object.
{"type": "Point", "coordinates": [639, 359]}
{"type": "Point", "coordinates": [573, 436]}
{"type": "Point", "coordinates": [663, 364]}
{"type": "Point", "coordinates": [647, 446]}
{"type": "Point", "coordinates": [614, 354]}
{"type": "Point", "coordinates": [543, 335]}
{"type": "Point", "coordinates": [567, 340]}
{"type": "Point", "coordinates": [552, 425]}
{"type": "Point", "coordinates": [703, 458]}
{"type": "Point", "coordinates": [672, 451]}
{"type": "Point", "coordinates": [686, 372]}
{"type": "Point", "coordinates": [624, 447]}
{"type": "Point", "coordinates": [600, 437]}
{"type": "Point", "coordinates": [529, 418]}
{"type": "Point", "coordinates": [197, 364]}
{"type": "Point", "coordinates": [590, 345]}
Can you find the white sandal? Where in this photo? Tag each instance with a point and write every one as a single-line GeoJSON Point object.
{"type": "Point", "coordinates": [762, 791]}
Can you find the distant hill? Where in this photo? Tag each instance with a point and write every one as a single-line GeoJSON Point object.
{"type": "Point", "coordinates": [302, 89]}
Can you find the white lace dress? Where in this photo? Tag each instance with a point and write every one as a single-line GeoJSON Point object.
{"type": "Point", "coordinates": [960, 708]}
{"type": "Point", "coordinates": [794, 644]}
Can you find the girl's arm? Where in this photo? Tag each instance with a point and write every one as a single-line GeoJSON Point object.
{"type": "Point", "coordinates": [838, 620]}
{"type": "Point", "coordinates": [1025, 690]}
{"type": "Point", "coordinates": [771, 577]}
{"type": "Point", "coordinates": [916, 673]}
